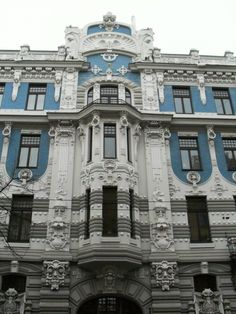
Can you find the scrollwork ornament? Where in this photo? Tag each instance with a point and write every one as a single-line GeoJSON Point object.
{"type": "Point", "coordinates": [193, 177]}
{"type": "Point", "coordinates": [211, 134]}
{"type": "Point", "coordinates": [55, 272]}
{"type": "Point", "coordinates": [6, 132]}
{"type": "Point", "coordinates": [164, 273]}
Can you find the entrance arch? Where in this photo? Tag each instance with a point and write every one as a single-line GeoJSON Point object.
{"type": "Point", "coordinates": [109, 304]}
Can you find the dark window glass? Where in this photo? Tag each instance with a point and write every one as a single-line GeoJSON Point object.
{"type": "Point", "coordinates": [198, 219]}
{"type": "Point", "coordinates": [20, 218]}
{"type": "Point", "coordinates": [90, 96]}
{"type": "Point", "coordinates": [182, 100]}
{"type": "Point", "coordinates": [109, 211]}
{"type": "Point", "coordinates": [90, 143]}
{"type": "Point", "coordinates": [129, 151]}
{"type": "Point", "coordinates": [109, 94]}
{"type": "Point", "coordinates": [36, 97]}
{"type": "Point", "coordinates": [2, 87]}
{"type": "Point", "coordinates": [222, 101]}
{"type": "Point", "coordinates": [109, 141]}
{"type": "Point", "coordinates": [230, 152]}
{"type": "Point", "coordinates": [29, 149]}
{"type": "Point", "coordinates": [127, 96]}
{"type": "Point", "coordinates": [131, 210]}
{"type": "Point", "coordinates": [18, 282]}
{"type": "Point", "coordinates": [87, 195]}
{"type": "Point", "coordinates": [189, 153]}
{"type": "Point", "coordinates": [204, 281]}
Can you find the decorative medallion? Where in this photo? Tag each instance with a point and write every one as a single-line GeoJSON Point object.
{"type": "Point", "coordinates": [165, 274]}
{"type": "Point", "coordinates": [193, 177]}
{"type": "Point", "coordinates": [55, 272]}
{"type": "Point", "coordinates": [25, 175]}
{"type": "Point", "coordinates": [109, 22]}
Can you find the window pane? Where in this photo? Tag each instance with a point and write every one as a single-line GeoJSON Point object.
{"type": "Point", "coordinates": [227, 106]}
{"type": "Point", "coordinates": [40, 102]}
{"type": "Point", "coordinates": [31, 102]}
{"type": "Point", "coordinates": [195, 161]}
{"type": "Point", "coordinates": [33, 157]}
{"type": "Point", "coordinates": [187, 105]}
{"type": "Point", "coordinates": [230, 159]}
{"type": "Point", "coordinates": [178, 105]}
{"type": "Point", "coordinates": [1, 96]}
{"type": "Point", "coordinates": [109, 212]}
{"type": "Point", "coordinates": [109, 147]}
{"type": "Point", "coordinates": [23, 157]}
{"type": "Point", "coordinates": [193, 226]}
{"type": "Point", "coordinates": [14, 226]}
{"type": "Point", "coordinates": [185, 159]}
{"type": "Point", "coordinates": [204, 226]}
{"type": "Point", "coordinates": [219, 107]}
{"type": "Point", "coordinates": [25, 225]}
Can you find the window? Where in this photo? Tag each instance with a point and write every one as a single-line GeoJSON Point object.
{"type": "Point", "coordinates": [230, 152]}
{"type": "Point", "coordinates": [18, 282]}
{"type": "Point", "coordinates": [127, 96]}
{"type": "Point", "coordinates": [128, 134]}
{"type": "Point", "coordinates": [29, 150]}
{"type": "Point", "coordinates": [109, 141]}
{"type": "Point", "coordinates": [222, 101]}
{"type": "Point", "coordinates": [36, 97]}
{"type": "Point", "coordinates": [20, 218]}
{"type": "Point", "coordinates": [131, 211]}
{"type": "Point", "coordinates": [2, 86]}
{"type": "Point", "coordinates": [182, 100]}
{"type": "Point", "coordinates": [109, 94]}
{"type": "Point", "coordinates": [198, 219]}
{"type": "Point", "coordinates": [204, 281]}
{"type": "Point", "coordinates": [87, 195]}
{"type": "Point", "coordinates": [189, 153]}
{"type": "Point", "coordinates": [90, 143]}
{"type": "Point", "coordinates": [109, 211]}
{"type": "Point", "coordinates": [90, 96]}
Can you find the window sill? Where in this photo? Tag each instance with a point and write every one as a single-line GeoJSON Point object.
{"type": "Point", "coordinates": [19, 244]}
{"type": "Point", "coordinates": [201, 245]}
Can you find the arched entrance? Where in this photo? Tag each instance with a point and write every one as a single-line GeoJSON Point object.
{"type": "Point", "coordinates": [109, 305]}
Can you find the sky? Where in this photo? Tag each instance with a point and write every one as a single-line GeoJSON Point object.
{"type": "Point", "coordinates": [179, 25]}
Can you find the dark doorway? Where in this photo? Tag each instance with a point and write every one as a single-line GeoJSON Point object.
{"type": "Point", "coordinates": [109, 305]}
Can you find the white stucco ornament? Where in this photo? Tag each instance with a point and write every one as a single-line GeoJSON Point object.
{"type": "Point", "coordinates": [164, 273]}
{"type": "Point", "coordinates": [193, 177]}
{"type": "Point", "coordinates": [55, 272]}
{"type": "Point", "coordinates": [109, 22]}
{"type": "Point", "coordinates": [25, 175]}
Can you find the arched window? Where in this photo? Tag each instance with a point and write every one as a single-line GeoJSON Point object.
{"type": "Point", "coordinates": [204, 281]}
{"type": "Point", "coordinates": [90, 96]}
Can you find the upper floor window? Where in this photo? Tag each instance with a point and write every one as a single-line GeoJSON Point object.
{"type": "Point", "coordinates": [2, 87]}
{"type": "Point", "coordinates": [129, 150]}
{"type": "Point", "coordinates": [189, 153]}
{"type": "Point", "coordinates": [109, 141]}
{"type": "Point", "coordinates": [182, 100]}
{"type": "Point", "coordinates": [90, 143]}
{"type": "Point", "coordinates": [109, 94]}
{"type": "Point", "coordinates": [222, 101]}
{"type": "Point", "coordinates": [36, 97]}
{"type": "Point", "coordinates": [127, 96]}
{"type": "Point", "coordinates": [198, 219]}
{"type": "Point", "coordinates": [29, 149]}
{"type": "Point", "coordinates": [90, 96]}
{"type": "Point", "coordinates": [109, 212]}
{"type": "Point", "coordinates": [204, 281]}
{"type": "Point", "coordinates": [20, 218]}
{"type": "Point", "coordinates": [18, 282]}
{"type": "Point", "coordinates": [230, 152]}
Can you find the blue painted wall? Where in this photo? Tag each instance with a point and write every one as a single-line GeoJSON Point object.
{"type": "Point", "coordinates": [220, 157]}
{"type": "Point", "coordinates": [204, 155]}
{"type": "Point", "coordinates": [13, 153]}
{"type": "Point", "coordinates": [116, 64]}
{"type": "Point", "coordinates": [20, 102]}
{"type": "Point", "coordinates": [168, 104]}
{"type": "Point", "coordinates": [96, 29]}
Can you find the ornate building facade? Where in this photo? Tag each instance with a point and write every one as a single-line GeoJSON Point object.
{"type": "Point", "coordinates": [117, 177]}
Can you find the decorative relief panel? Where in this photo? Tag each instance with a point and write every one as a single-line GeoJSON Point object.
{"type": "Point", "coordinates": [55, 272]}
{"type": "Point", "coordinates": [201, 87]}
{"type": "Point", "coordinates": [69, 89]}
{"type": "Point", "coordinates": [109, 22]}
{"type": "Point", "coordinates": [208, 302]}
{"type": "Point", "coordinates": [11, 302]}
{"type": "Point", "coordinates": [149, 84]}
{"type": "Point", "coordinates": [16, 84]}
{"type": "Point", "coordinates": [57, 84]}
{"type": "Point", "coordinates": [145, 45]}
{"type": "Point", "coordinates": [73, 42]}
{"type": "Point", "coordinates": [160, 86]}
{"type": "Point", "coordinates": [110, 276]}
{"type": "Point", "coordinates": [164, 273]}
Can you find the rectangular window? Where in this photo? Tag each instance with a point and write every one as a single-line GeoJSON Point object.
{"type": "Point", "coordinates": [29, 149]}
{"type": "Point", "coordinates": [198, 219]}
{"type": "Point", "coordinates": [182, 100]}
{"type": "Point", "coordinates": [90, 143]}
{"type": "Point", "coordinates": [128, 144]}
{"type": "Point", "coordinates": [109, 212]}
{"type": "Point", "coordinates": [2, 87]}
{"type": "Point", "coordinates": [222, 101]}
{"type": "Point", "coordinates": [131, 211]}
{"type": "Point", "coordinates": [87, 195]}
{"type": "Point", "coordinates": [230, 152]}
{"type": "Point", "coordinates": [109, 141]}
{"type": "Point", "coordinates": [20, 218]}
{"type": "Point", "coordinates": [189, 153]}
{"type": "Point", "coordinates": [36, 97]}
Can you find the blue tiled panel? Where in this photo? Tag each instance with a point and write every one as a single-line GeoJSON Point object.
{"type": "Point", "coordinates": [21, 100]}
{"type": "Point", "coordinates": [220, 156]}
{"type": "Point", "coordinates": [197, 104]}
{"type": "Point", "coordinates": [116, 64]}
{"type": "Point", "coordinates": [204, 155]}
{"type": "Point", "coordinates": [96, 29]}
{"type": "Point", "coordinates": [13, 152]}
